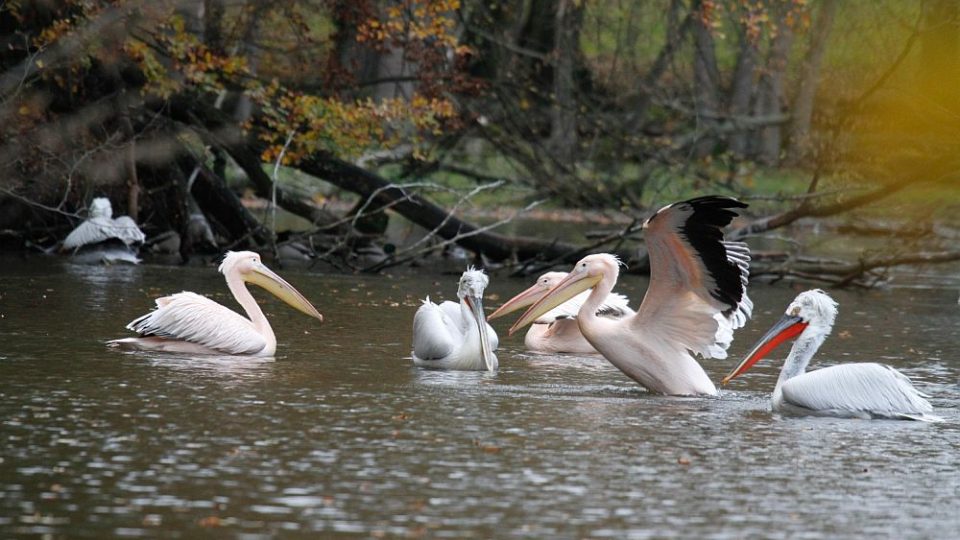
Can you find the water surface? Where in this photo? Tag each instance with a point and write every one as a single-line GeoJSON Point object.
{"type": "Point", "coordinates": [341, 436]}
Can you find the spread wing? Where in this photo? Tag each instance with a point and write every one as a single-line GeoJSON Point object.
{"type": "Point", "coordinates": [91, 231]}
{"type": "Point", "coordinates": [193, 318]}
{"type": "Point", "coordinates": [866, 388]}
{"type": "Point", "coordinates": [100, 229]}
{"type": "Point", "coordinates": [697, 293]}
{"type": "Point", "coordinates": [126, 229]}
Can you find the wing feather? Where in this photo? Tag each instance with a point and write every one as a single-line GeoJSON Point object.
{"type": "Point", "coordinates": [100, 229]}
{"type": "Point", "coordinates": [874, 389]}
{"type": "Point", "coordinates": [697, 293]}
{"type": "Point", "coordinates": [91, 231]}
{"type": "Point", "coordinates": [196, 319]}
{"type": "Point", "coordinates": [433, 331]}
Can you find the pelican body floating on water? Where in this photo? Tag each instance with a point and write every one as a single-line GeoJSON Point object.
{"type": "Point", "coordinates": [189, 323]}
{"type": "Point", "coordinates": [865, 390]}
{"type": "Point", "coordinates": [557, 330]}
{"type": "Point", "coordinates": [695, 300]}
{"type": "Point", "coordinates": [456, 336]}
{"type": "Point", "coordinates": [100, 238]}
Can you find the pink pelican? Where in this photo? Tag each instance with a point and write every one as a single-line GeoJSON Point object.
{"type": "Point", "coordinates": [864, 390]}
{"type": "Point", "coordinates": [189, 323]}
{"type": "Point", "coordinates": [695, 300]}
{"type": "Point", "coordinates": [557, 330]}
{"type": "Point", "coordinates": [456, 336]}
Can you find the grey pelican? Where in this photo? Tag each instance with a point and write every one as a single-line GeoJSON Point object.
{"type": "Point", "coordinates": [866, 390]}
{"type": "Point", "coordinates": [189, 323]}
{"type": "Point", "coordinates": [557, 331]}
{"type": "Point", "coordinates": [112, 239]}
{"type": "Point", "coordinates": [695, 300]}
{"type": "Point", "coordinates": [456, 336]}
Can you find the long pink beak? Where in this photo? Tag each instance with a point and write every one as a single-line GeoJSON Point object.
{"type": "Point", "coordinates": [570, 286]}
{"type": "Point", "coordinates": [522, 300]}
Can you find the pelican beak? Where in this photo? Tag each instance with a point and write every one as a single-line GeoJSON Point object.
{"type": "Point", "coordinates": [790, 326]}
{"type": "Point", "coordinates": [277, 286]}
{"type": "Point", "coordinates": [572, 285]}
{"type": "Point", "coordinates": [521, 300]}
{"type": "Point", "coordinates": [475, 303]}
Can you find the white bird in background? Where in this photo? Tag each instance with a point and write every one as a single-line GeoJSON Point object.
{"type": "Point", "coordinates": [695, 300]}
{"type": "Point", "coordinates": [189, 323]}
{"type": "Point", "coordinates": [866, 390]}
{"type": "Point", "coordinates": [104, 239]}
{"type": "Point", "coordinates": [456, 336]}
{"type": "Point", "coordinates": [557, 330]}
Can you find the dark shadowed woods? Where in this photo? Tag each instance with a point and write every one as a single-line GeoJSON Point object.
{"type": "Point", "coordinates": [191, 116]}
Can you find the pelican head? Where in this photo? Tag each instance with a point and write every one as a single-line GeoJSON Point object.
{"type": "Point", "coordinates": [246, 266]}
{"type": "Point", "coordinates": [536, 291]}
{"type": "Point", "coordinates": [811, 314]}
{"type": "Point", "coordinates": [472, 284]}
{"type": "Point", "coordinates": [100, 207]}
{"type": "Point", "coordinates": [589, 271]}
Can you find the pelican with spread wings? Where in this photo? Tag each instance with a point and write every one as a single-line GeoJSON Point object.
{"type": "Point", "coordinates": [863, 390]}
{"type": "Point", "coordinates": [696, 298]}
{"type": "Point", "coordinates": [189, 323]}
{"type": "Point", "coordinates": [101, 238]}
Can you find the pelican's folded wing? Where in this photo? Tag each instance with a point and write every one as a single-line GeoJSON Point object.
{"type": "Point", "coordinates": [874, 389]}
{"type": "Point", "coordinates": [190, 317]}
{"type": "Point", "coordinates": [432, 332]}
{"type": "Point", "coordinates": [697, 293]}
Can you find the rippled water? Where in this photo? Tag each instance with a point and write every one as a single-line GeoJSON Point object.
{"type": "Point", "coordinates": [342, 436]}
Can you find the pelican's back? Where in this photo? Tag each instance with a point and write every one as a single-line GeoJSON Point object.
{"type": "Point", "coordinates": [860, 390]}
{"type": "Point", "coordinates": [435, 334]}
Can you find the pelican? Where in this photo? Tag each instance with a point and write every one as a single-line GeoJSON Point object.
{"type": "Point", "coordinates": [557, 330]}
{"type": "Point", "coordinates": [114, 238]}
{"type": "Point", "coordinates": [189, 323]}
{"type": "Point", "coordinates": [864, 390]}
{"type": "Point", "coordinates": [695, 300]}
{"type": "Point", "coordinates": [456, 336]}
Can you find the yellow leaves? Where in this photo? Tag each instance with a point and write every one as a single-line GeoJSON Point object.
{"type": "Point", "coordinates": [429, 22]}
{"type": "Point", "coordinates": [347, 128]}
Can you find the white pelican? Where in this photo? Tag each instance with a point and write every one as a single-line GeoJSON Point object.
{"type": "Point", "coordinates": [189, 323]}
{"type": "Point", "coordinates": [557, 331]}
{"type": "Point", "coordinates": [847, 390]}
{"type": "Point", "coordinates": [696, 298]}
{"type": "Point", "coordinates": [114, 238]}
{"type": "Point", "coordinates": [456, 336]}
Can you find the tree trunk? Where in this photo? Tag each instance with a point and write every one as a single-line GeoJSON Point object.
{"type": "Point", "coordinates": [706, 82]}
{"type": "Point", "coordinates": [770, 96]}
{"type": "Point", "coordinates": [563, 117]}
{"type": "Point", "coordinates": [809, 77]}
{"type": "Point", "coordinates": [741, 90]}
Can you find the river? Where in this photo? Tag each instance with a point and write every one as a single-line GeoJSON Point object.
{"type": "Point", "coordinates": [342, 436]}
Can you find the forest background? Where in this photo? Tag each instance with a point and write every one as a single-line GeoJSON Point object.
{"type": "Point", "coordinates": [203, 119]}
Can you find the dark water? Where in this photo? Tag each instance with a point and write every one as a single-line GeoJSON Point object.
{"type": "Point", "coordinates": [341, 436]}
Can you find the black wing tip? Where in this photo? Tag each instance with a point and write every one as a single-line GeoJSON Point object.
{"type": "Point", "coordinates": [703, 230]}
{"type": "Point", "coordinates": [715, 201]}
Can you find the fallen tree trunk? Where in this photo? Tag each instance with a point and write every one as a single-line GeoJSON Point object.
{"type": "Point", "coordinates": [216, 128]}
{"type": "Point", "coordinates": [419, 210]}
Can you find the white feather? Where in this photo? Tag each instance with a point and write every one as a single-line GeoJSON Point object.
{"type": "Point", "coordinates": [196, 319]}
